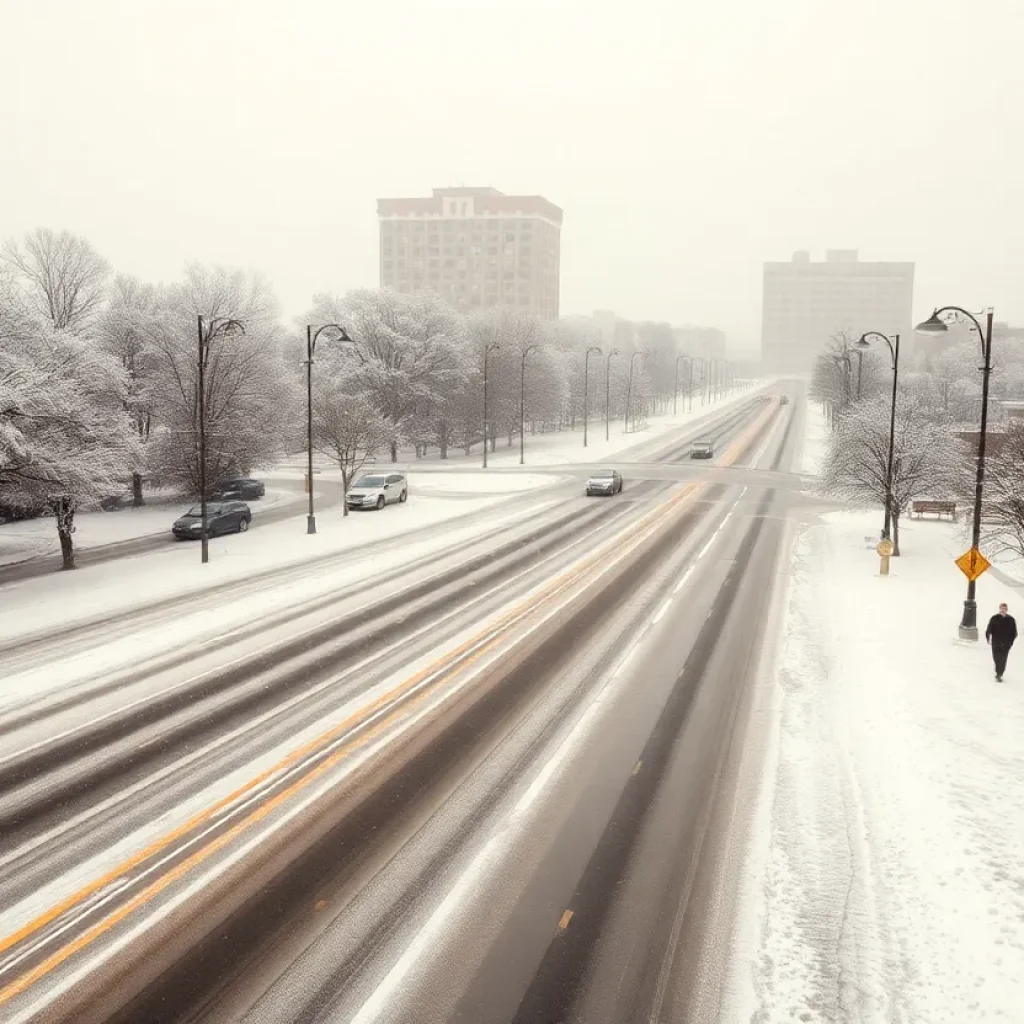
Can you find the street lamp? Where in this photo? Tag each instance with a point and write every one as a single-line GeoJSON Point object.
{"type": "Point", "coordinates": [689, 386]}
{"type": "Point", "coordinates": [629, 388]}
{"type": "Point", "coordinates": [936, 325]}
{"type": "Point", "coordinates": [586, 385]}
{"type": "Point", "coordinates": [608, 393]}
{"type": "Point", "coordinates": [218, 327]}
{"type": "Point", "coordinates": [894, 351]}
{"type": "Point", "coordinates": [490, 347]}
{"type": "Point", "coordinates": [522, 403]}
{"type": "Point", "coordinates": [311, 336]}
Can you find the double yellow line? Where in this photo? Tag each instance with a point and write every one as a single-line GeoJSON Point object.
{"type": "Point", "coordinates": [463, 656]}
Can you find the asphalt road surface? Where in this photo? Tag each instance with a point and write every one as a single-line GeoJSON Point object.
{"type": "Point", "coordinates": [485, 787]}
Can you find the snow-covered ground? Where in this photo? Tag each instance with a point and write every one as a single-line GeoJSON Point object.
{"type": "Point", "coordinates": [885, 874]}
{"type": "Point", "coordinates": [32, 538]}
{"type": "Point", "coordinates": [815, 436]}
{"type": "Point", "coordinates": [479, 482]}
{"type": "Point", "coordinates": [175, 571]}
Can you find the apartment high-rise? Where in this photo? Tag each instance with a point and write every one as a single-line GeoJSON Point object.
{"type": "Point", "coordinates": [805, 303]}
{"type": "Point", "coordinates": [475, 247]}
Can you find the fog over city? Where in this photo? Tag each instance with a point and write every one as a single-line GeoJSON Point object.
{"type": "Point", "coordinates": [687, 143]}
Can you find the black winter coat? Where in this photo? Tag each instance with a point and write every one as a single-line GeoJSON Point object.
{"type": "Point", "coordinates": [1002, 630]}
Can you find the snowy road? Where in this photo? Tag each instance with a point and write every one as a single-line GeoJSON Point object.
{"type": "Point", "coordinates": [301, 811]}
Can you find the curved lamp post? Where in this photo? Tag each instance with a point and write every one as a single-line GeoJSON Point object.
{"type": "Point", "coordinates": [608, 393]}
{"type": "Point", "coordinates": [218, 327]}
{"type": "Point", "coordinates": [864, 343]}
{"type": "Point", "coordinates": [490, 347]}
{"type": "Point", "coordinates": [522, 403]}
{"type": "Point", "coordinates": [936, 325]}
{"type": "Point", "coordinates": [311, 335]}
{"type": "Point", "coordinates": [586, 384]}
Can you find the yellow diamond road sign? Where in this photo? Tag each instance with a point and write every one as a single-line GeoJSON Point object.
{"type": "Point", "coordinates": [973, 563]}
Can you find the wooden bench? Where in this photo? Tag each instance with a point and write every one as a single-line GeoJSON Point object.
{"type": "Point", "coordinates": [936, 508]}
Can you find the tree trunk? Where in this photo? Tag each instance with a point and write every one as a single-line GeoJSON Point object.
{"type": "Point", "coordinates": [494, 442]}
{"type": "Point", "coordinates": [394, 451]}
{"type": "Point", "coordinates": [444, 448]}
{"type": "Point", "coordinates": [344, 493]}
{"type": "Point", "coordinates": [64, 512]}
{"type": "Point", "coordinates": [137, 499]}
{"type": "Point", "coordinates": [895, 535]}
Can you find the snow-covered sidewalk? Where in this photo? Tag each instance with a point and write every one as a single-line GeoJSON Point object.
{"type": "Point", "coordinates": [885, 876]}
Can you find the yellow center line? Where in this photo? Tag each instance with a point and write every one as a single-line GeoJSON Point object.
{"type": "Point", "coordinates": [484, 641]}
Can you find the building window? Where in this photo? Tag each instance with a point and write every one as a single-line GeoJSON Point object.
{"type": "Point", "coordinates": [510, 236]}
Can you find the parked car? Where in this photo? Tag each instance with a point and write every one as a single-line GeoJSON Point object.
{"type": "Point", "coordinates": [238, 488]}
{"type": "Point", "coordinates": [702, 450]}
{"type": "Point", "coordinates": [784, 400]}
{"type": "Point", "coordinates": [221, 517]}
{"type": "Point", "coordinates": [377, 490]}
{"type": "Point", "coordinates": [604, 481]}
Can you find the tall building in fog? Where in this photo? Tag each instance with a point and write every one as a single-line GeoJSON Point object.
{"type": "Point", "coordinates": [805, 303]}
{"type": "Point", "coordinates": [475, 247]}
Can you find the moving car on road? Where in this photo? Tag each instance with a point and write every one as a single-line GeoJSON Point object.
{"type": "Point", "coordinates": [702, 450]}
{"type": "Point", "coordinates": [239, 488]}
{"type": "Point", "coordinates": [784, 400]}
{"type": "Point", "coordinates": [221, 517]}
{"type": "Point", "coordinates": [604, 481]}
{"type": "Point", "coordinates": [376, 491]}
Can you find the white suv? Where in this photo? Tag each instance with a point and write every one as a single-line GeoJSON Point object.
{"type": "Point", "coordinates": [377, 490]}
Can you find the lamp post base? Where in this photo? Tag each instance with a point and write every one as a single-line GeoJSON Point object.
{"type": "Point", "coordinates": [310, 524]}
{"type": "Point", "coordinates": [969, 623]}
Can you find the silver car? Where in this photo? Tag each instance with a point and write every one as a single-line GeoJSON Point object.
{"type": "Point", "coordinates": [377, 490]}
{"type": "Point", "coordinates": [604, 481]}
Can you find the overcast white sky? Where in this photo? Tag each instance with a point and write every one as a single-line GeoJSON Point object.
{"type": "Point", "coordinates": [687, 142]}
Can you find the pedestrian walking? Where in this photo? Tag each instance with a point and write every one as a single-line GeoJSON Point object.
{"type": "Point", "coordinates": [1001, 632]}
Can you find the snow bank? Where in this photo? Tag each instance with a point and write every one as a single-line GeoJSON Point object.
{"type": "Point", "coordinates": [62, 598]}
{"type": "Point", "coordinates": [887, 880]}
{"type": "Point", "coordinates": [479, 482]}
{"type": "Point", "coordinates": [815, 437]}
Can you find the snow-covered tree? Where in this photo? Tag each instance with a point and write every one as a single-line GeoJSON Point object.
{"type": "Point", "coordinates": [348, 429]}
{"type": "Point", "coordinates": [64, 436]}
{"type": "Point", "coordinates": [1003, 498]}
{"type": "Point", "coordinates": [125, 329]}
{"type": "Point", "coordinates": [253, 404]}
{"type": "Point", "coordinates": [63, 277]}
{"type": "Point", "coordinates": [926, 455]}
{"type": "Point", "coordinates": [408, 349]}
{"type": "Point", "coordinates": [928, 458]}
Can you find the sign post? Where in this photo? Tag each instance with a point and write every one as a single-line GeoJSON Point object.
{"type": "Point", "coordinates": [885, 549]}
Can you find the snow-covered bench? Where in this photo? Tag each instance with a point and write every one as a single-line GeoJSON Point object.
{"type": "Point", "coordinates": [937, 508]}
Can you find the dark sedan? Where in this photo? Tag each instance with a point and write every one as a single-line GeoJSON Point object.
{"type": "Point", "coordinates": [239, 488]}
{"type": "Point", "coordinates": [221, 517]}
